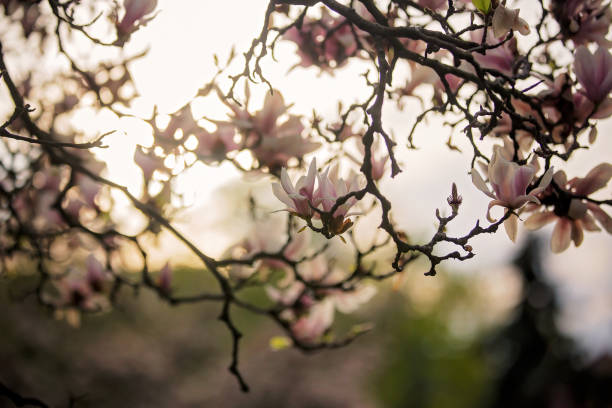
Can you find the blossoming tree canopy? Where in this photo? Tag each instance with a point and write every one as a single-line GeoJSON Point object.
{"type": "Point", "coordinates": [525, 88]}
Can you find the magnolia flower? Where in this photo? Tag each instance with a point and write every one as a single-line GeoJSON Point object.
{"type": "Point", "coordinates": [583, 21]}
{"type": "Point", "coordinates": [96, 275]}
{"type": "Point", "coordinates": [500, 58]}
{"type": "Point", "coordinates": [327, 42]}
{"type": "Point", "coordinates": [82, 289]}
{"type": "Point", "coordinates": [215, 146]}
{"type": "Point", "coordinates": [320, 316]}
{"type": "Point", "coordinates": [300, 197]}
{"type": "Point", "coordinates": [315, 317]}
{"type": "Point", "coordinates": [505, 19]}
{"type": "Point", "coordinates": [594, 73]}
{"type": "Point", "coordinates": [271, 142]}
{"type": "Point", "coordinates": [573, 214]}
{"type": "Point", "coordinates": [509, 181]}
{"type": "Point", "coordinates": [331, 187]}
{"type": "Point", "coordinates": [313, 325]}
{"type": "Point", "coordinates": [377, 161]}
{"type": "Point", "coordinates": [136, 12]}
{"type": "Point", "coordinates": [265, 238]}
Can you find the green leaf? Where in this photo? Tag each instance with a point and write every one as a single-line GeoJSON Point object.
{"type": "Point", "coordinates": [483, 5]}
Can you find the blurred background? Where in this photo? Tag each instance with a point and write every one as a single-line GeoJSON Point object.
{"type": "Point", "coordinates": [515, 326]}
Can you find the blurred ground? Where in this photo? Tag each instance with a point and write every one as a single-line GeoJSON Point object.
{"type": "Point", "coordinates": [148, 354]}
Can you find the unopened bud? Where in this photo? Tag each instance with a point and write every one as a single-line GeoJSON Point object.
{"type": "Point", "coordinates": [454, 200]}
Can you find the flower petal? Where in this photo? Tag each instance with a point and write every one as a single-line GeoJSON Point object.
{"type": "Point", "coordinates": [491, 205]}
{"type": "Point", "coordinates": [538, 220]}
{"type": "Point", "coordinates": [602, 217]}
{"type": "Point", "coordinates": [480, 184]}
{"type": "Point", "coordinates": [577, 233]}
{"type": "Point", "coordinates": [595, 180]}
{"type": "Point", "coordinates": [511, 226]}
{"type": "Point", "coordinates": [286, 182]}
{"type": "Point", "coordinates": [282, 195]}
{"type": "Point", "coordinates": [561, 236]}
{"type": "Point", "coordinates": [544, 182]}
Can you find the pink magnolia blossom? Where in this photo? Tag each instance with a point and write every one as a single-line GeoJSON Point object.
{"type": "Point", "coordinates": [579, 215]}
{"type": "Point", "coordinates": [377, 160]}
{"type": "Point", "coordinates": [265, 237]}
{"type": "Point", "coordinates": [509, 181]}
{"type": "Point", "coordinates": [500, 58]}
{"type": "Point", "coordinates": [137, 14]}
{"type": "Point", "coordinates": [594, 73]}
{"type": "Point", "coordinates": [96, 275]}
{"type": "Point", "coordinates": [83, 289]}
{"type": "Point", "coordinates": [330, 187]}
{"type": "Point", "coordinates": [505, 19]}
{"type": "Point", "coordinates": [327, 42]}
{"type": "Point", "coordinates": [312, 326]}
{"type": "Point", "coordinates": [315, 317]}
{"type": "Point", "coordinates": [272, 141]}
{"type": "Point", "coordinates": [583, 21]}
{"type": "Point", "coordinates": [215, 146]}
{"type": "Point", "coordinates": [298, 198]}
{"type": "Point", "coordinates": [301, 198]}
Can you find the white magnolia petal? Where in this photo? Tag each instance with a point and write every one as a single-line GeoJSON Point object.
{"type": "Point", "coordinates": [538, 220]}
{"type": "Point", "coordinates": [282, 195]}
{"type": "Point", "coordinates": [511, 227]}
{"type": "Point", "coordinates": [480, 184]}
{"type": "Point", "coordinates": [286, 181]}
{"type": "Point", "coordinates": [561, 236]}
{"type": "Point", "coordinates": [577, 233]}
{"type": "Point", "coordinates": [491, 205]}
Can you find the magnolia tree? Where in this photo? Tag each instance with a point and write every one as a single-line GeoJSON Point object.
{"type": "Point", "coordinates": [525, 96]}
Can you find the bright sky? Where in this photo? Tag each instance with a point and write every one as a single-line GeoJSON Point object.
{"type": "Point", "coordinates": [184, 37]}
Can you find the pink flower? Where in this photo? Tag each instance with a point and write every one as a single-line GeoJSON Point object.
{"type": "Point", "coordinates": [215, 146]}
{"type": "Point", "coordinates": [330, 187]}
{"type": "Point", "coordinates": [327, 42]}
{"type": "Point", "coordinates": [594, 72]}
{"type": "Point", "coordinates": [136, 12]}
{"type": "Point", "coordinates": [572, 213]}
{"type": "Point", "coordinates": [271, 142]}
{"type": "Point", "coordinates": [505, 19]}
{"type": "Point", "coordinates": [509, 181]}
{"type": "Point", "coordinates": [583, 21]}
{"type": "Point", "coordinates": [262, 239]}
{"type": "Point", "coordinates": [298, 198]}
{"type": "Point", "coordinates": [313, 325]}
{"type": "Point", "coordinates": [377, 161]}
{"type": "Point", "coordinates": [500, 58]}
{"type": "Point", "coordinates": [96, 275]}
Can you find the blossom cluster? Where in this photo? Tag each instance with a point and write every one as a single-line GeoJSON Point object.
{"type": "Point", "coordinates": [303, 200]}
{"type": "Point", "coordinates": [524, 95]}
